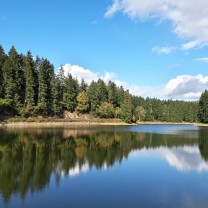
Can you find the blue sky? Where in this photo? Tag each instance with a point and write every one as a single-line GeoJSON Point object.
{"type": "Point", "coordinates": [155, 48]}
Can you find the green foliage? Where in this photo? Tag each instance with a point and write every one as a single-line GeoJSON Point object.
{"type": "Point", "coordinates": [43, 91]}
{"type": "Point", "coordinates": [112, 93]}
{"type": "Point", "coordinates": [47, 93]}
{"type": "Point", "coordinates": [83, 102]}
{"type": "Point", "coordinates": [31, 88]}
{"type": "Point", "coordinates": [140, 113]}
{"type": "Point", "coordinates": [13, 78]}
{"type": "Point", "coordinates": [70, 93]}
{"type": "Point", "coordinates": [83, 86]}
{"type": "Point", "coordinates": [203, 107]}
{"type": "Point", "coordinates": [6, 108]}
{"type": "Point", "coordinates": [2, 59]}
{"type": "Point", "coordinates": [93, 96]}
{"type": "Point", "coordinates": [106, 110]}
{"type": "Point", "coordinates": [60, 79]}
{"type": "Point", "coordinates": [126, 108]}
{"type": "Point", "coordinates": [102, 91]}
{"type": "Point", "coordinates": [118, 112]}
{"type": "Point", "coordinates": [29, 72]}
{"type": "Point", "coordinates": [55, 108]}
{"type": "Point", "coordinates": [97, 94]}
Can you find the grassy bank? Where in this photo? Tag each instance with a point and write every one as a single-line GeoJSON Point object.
{"type": "Point", "coordinates": [35, 122]}
{"type": "Point", "coordinates": [56, 122]}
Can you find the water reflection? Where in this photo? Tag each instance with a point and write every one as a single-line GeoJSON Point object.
{"type": "Point", "coordinates": [187, 158]}
{"type": "Point", "coordinates": [28, 158]}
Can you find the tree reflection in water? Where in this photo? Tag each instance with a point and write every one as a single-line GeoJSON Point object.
{"type": "Point", "coordinates": [29, 157]}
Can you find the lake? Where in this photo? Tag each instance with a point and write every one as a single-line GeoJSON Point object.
{"type": "Point", "coordinates": [146, 166]}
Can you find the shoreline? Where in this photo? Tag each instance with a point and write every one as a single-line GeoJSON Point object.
{"type": "Point", "coordinates": [82, 123]}
{"type": "Point", "coordinates": [59, 124]}
{"type": "Point", "coordinates": [170, 123]}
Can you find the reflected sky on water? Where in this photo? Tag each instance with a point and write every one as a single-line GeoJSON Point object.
{"type": "Point", "coordinates": [127, 166]}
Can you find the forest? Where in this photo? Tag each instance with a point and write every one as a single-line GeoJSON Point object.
{"type": "Point", "coordinates": [29, 87]}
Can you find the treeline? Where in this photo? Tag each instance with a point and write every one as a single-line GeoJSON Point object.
{"type": "Point", "coordinates": [30, 87]}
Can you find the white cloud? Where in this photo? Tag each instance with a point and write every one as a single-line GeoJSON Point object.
{"type": "Point", "coordinates": [184, 158]}
{"type": "Point", "coordinates": [186, 87]}
{"type": "Point", "coordinates": [183, 87]}
{"type": "Point", "coordinates": [108, 76]}
{"type": "Point", "coordinates": [187, 158]}
{"type": "Point", "coordinates": [112, 9]}
{"type": "Point", "coordinates": [86, 74]}
{"type": "Point", "coordinates": [162, 50]}
{"type": "Point", "coordinates": [78, 170]}
{"type": "Point", "coordinates": [204, 59]}
{"type": "Point", "coordinates": [189, 18]}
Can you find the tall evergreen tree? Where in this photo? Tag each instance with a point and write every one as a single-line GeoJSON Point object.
{"type": "Point", "coordinates": [83, 86]}
{"type": "Point", "coordinates": [60, 83]}
{"type": "Point", "coordinates": [45, 77]}
{"type": "Point", "coordinates": [148, 108]}
{"type": "Point", "coordinates": [70, 93]}
{"type": "Point", "coordinates": [55, 109]}
{"type": "Point", "coordinates": [126, 107]}
{"type": "Point", "coordinates": [2, 59]}
{"type": "Point", "coordinates": [112, 93]}
{"type": "Point", "coordinates": [120, 95]}
{"type": "Point", "coordinates": [14, 78]}
{"type": "Point", "coordinates": [29, 72]}
{"type": "Point", "coordinates": [102, 91]}
{"type": "Point", "coordinates": [203, 107]}
{"type": "Point", "coordinates": [93, 95]}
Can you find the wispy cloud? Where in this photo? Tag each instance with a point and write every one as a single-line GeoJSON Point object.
{"type": "Point", "coordinates": [113, 9]}
{"type": "Point", "coordinates": [204, 59]}
{"type": "Point", "coordinates": [162, 50]}
{"type": "Point", "coordinates": [189, 19]}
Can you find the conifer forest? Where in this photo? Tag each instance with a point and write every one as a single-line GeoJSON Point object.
{"type": "Point", "coordinates": [29, 87]}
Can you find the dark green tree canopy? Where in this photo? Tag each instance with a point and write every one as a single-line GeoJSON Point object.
{"type": "Point", "coordinates": [30, 87]}
{"type": "Point", "coordinates": [203, 107]}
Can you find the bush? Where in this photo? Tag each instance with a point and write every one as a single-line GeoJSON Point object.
{"type": "Point", "coordinates": [6, 108]}
{"type": "Point", "coordinates": [106, 110]}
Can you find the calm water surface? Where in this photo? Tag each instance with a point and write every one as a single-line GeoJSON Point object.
{"type": "Point", "coordinates": [129, 166]}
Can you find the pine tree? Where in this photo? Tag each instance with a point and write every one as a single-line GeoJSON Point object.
{"type": "Point", "coordinates": [126, 108]}
{"type": "Point", "coordinates": [70, 93]}
{"type": "Point", "coordinates": [112, 93]}
{"type": "Point", "coordinates": [203, 107]}
{"type": "Point", "coordinates": [148, 109]}
{"type": "Point", "coordinates": [102, 91]}
{"type": "Point", "coordinates": [2, 59]}
{"type": "Point", "coordinates": [60, 83]}
{"type": "Point", "coordinates": [45, 76]}
{"type": "Point", "coordinates": [14, 79]}
{"type": "Point", "coordinates": [83, 86]}
{"type": "Point", "coordinates": [93, 95]}
{"type": "Point", "coordinates": [55, 109]}
{"type": "Point", "coordinates": [120, 95]}
{"type": "Point", "coordinates": [29, 72]}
